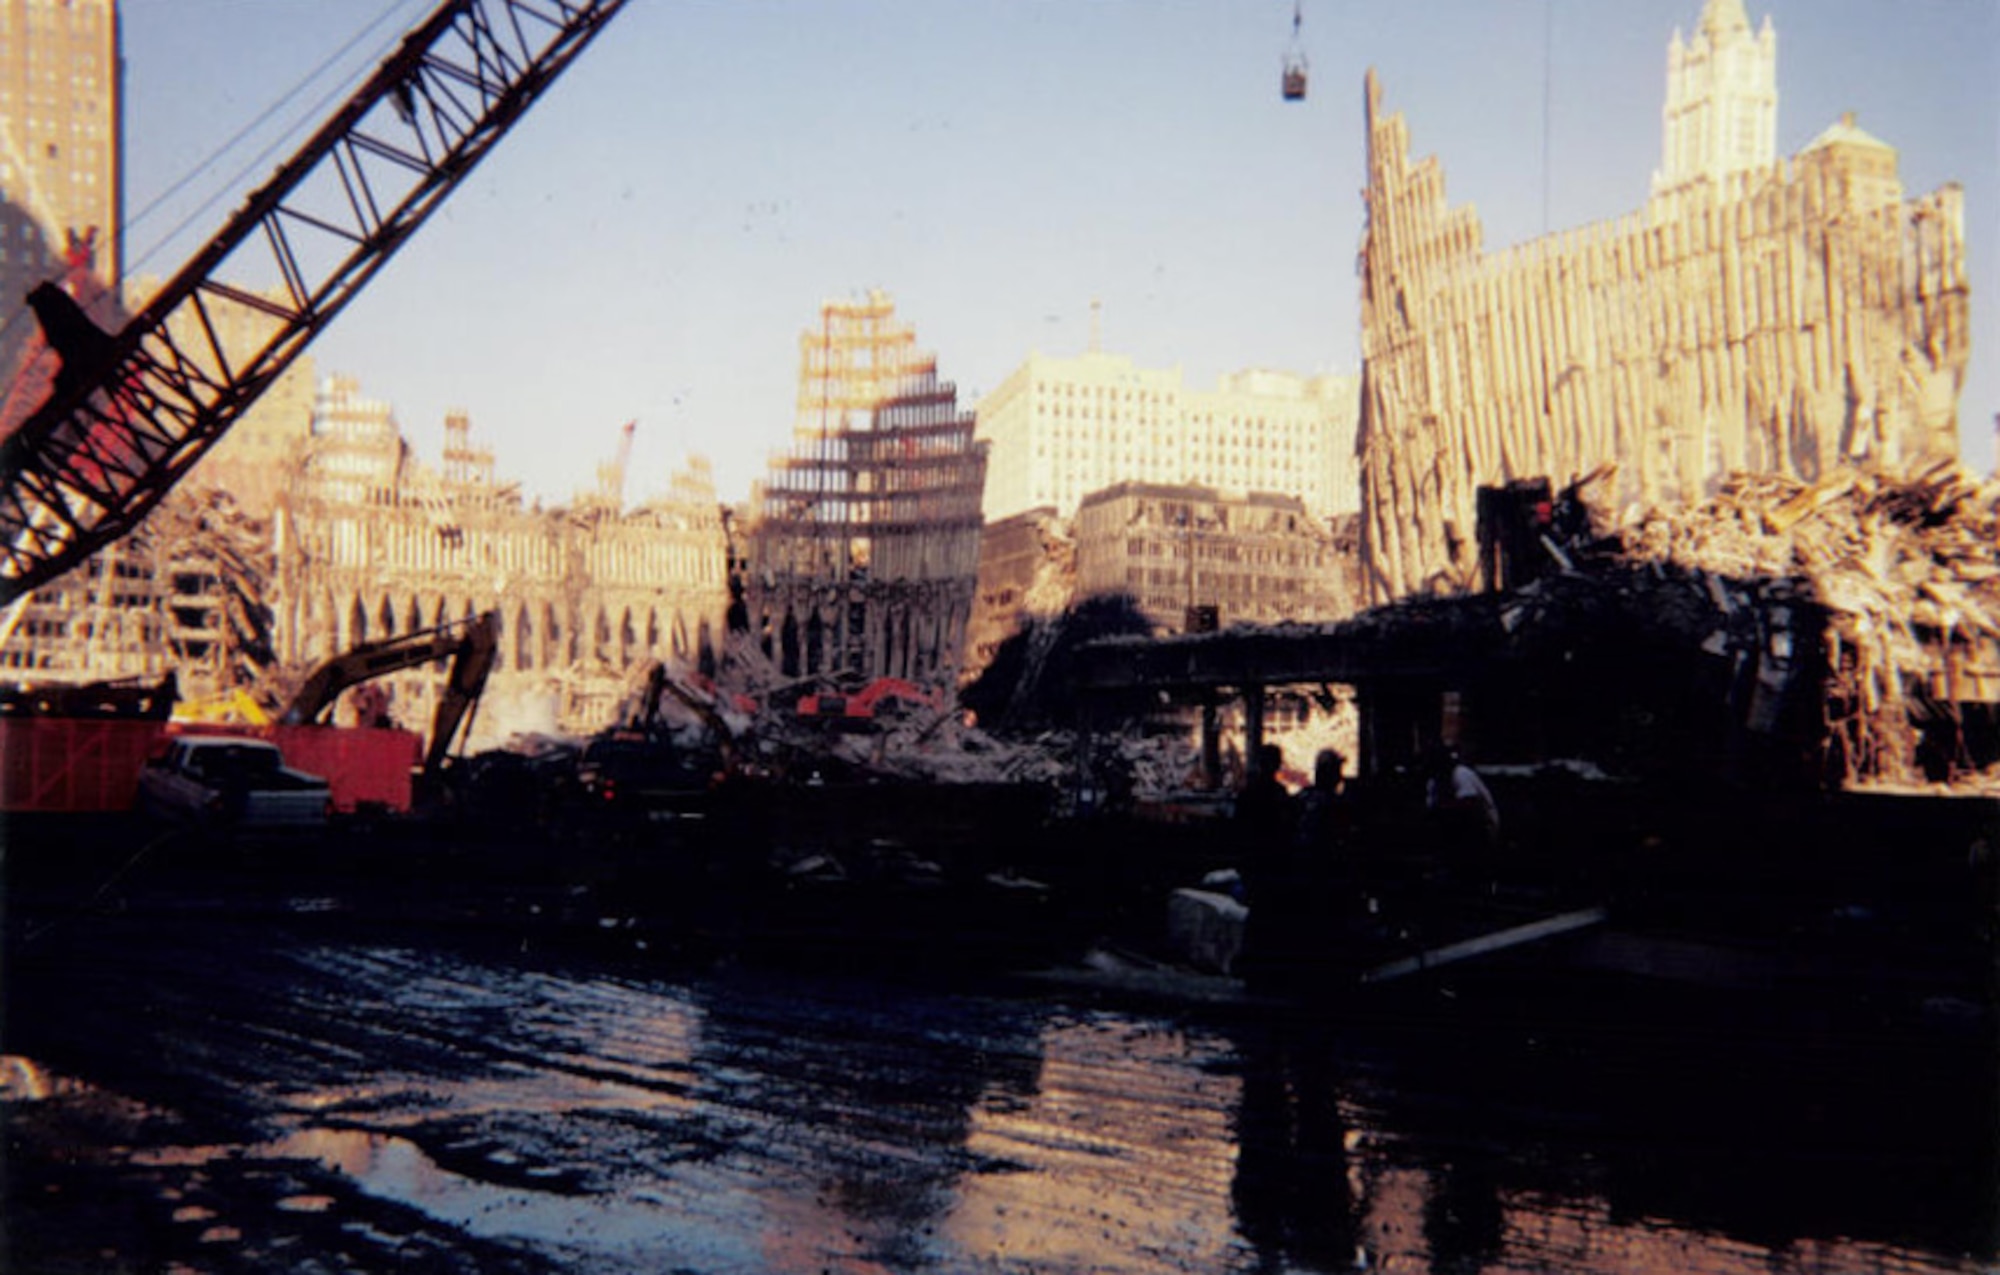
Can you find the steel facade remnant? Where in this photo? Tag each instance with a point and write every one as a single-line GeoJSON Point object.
{"type": "Point", "coordinates": [123, 428]}
{"type": "Point", "coordinates": [865, 552]}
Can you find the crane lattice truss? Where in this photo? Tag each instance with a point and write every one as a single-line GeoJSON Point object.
{"type": "Point", "coordinates": [127, 420]}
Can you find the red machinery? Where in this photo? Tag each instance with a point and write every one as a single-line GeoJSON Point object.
{"type": "Point", "coordinates": [869, 701]}
{"type": "Point", "coordinates": [78, 749]}
{"type": "Point", "coordinates": [372, 765]}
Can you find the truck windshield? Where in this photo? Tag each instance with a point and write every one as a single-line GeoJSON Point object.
{"type": "Point", "coordinates": [237, 763]}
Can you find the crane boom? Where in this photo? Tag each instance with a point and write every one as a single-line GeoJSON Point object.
{"type": "Point", "coordinates": [131, 413]}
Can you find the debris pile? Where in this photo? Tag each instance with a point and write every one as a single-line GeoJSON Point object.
{"type": "Point", "coordinates": [203, 534]}
{"type": "Point", "coordinates": [1907, 572]}
{"type": "Point", "coordinates": [1026, 687]}
{"type": "Point", "coordinates": [1053, 584]}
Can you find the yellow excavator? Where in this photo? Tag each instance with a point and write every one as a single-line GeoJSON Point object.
{"type": "Point", "coordinates": [471, 645]}
{"type": "Point", "coordinates": [231, 707]}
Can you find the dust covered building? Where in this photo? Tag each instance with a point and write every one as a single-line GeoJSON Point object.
{"type": "Point", "coordinates": [1027, 570]}
{"type": "Point", "coordinates": [374, 544]}
{"type": "Point", "coordinates": [1194, 557]}
{"type": "Point", "coordinates": [1782, 316]}
{"type": "Point", "coordinates": [863, 547]}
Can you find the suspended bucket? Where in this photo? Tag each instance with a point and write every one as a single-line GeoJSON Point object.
{"type": "Point", "coordinates": [1293, 81]}
{"type": "Point", "coordinates": [1292, 77]}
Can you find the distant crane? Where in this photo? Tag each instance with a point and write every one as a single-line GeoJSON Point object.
{"type": "Point", "coordinates": [131, 412]}
{"type": "Point", "coordinates": [611, 473]}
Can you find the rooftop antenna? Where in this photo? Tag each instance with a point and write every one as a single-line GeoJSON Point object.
{"type": "Point", "coordinates": [1096, 326]}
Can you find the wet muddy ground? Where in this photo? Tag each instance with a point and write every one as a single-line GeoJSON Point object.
{"type": "Point", "coordinates": [187, 1092]}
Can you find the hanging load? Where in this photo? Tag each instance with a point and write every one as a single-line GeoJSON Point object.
{"type": "Point", "coordinates": [1292, 80]}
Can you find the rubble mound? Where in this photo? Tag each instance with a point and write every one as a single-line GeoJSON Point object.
{"type": "Point", "coordinates": [1907, 572]}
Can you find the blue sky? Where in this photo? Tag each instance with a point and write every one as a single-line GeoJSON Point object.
{"type": "Point", "coordinates": [651, 239]}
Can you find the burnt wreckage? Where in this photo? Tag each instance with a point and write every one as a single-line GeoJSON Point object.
{"type": "Point", "coordinates": [1828, 637]}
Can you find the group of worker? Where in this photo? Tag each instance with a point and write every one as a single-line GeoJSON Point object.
{"type": "Point", "coordinates": [1298, 856]}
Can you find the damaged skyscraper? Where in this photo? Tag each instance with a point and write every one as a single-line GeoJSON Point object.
{"type": "Point", "coordinates": [1779, 316]}
{"type": "Point", "coordinates": [862, 552]}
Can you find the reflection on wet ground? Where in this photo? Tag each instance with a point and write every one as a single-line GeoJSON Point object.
{"type": "Point", "coordinates": [197, 1097]}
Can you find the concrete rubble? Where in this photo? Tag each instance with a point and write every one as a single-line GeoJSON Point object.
{"type": "Point", "coordinates": [1905, 570]}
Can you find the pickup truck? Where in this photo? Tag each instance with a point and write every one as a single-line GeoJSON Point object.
{"type": "Point", "coordinates": [224, 782]}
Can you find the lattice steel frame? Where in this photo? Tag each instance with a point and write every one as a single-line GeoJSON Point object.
{"type": "Point", "coordinates": [86, 468]}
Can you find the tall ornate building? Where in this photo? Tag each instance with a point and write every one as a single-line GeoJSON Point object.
{"type": "Point", "coordinates": [1785, 316]}
{"type": "Point", "coordinates": [1722, 100]}
{"type": "Point", "coordinates": [1061, 428]}
{"type": "Point", "coordinates": [863, 547]}
{"type": "Point", "coordinates": [61, 158]}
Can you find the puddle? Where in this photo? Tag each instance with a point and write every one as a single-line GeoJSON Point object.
{"type": "Point", "coordinates": [305, 1203]}
{"type": "Point", "coordinates": [758, 1123]}
{"type": "Point", "coordinates": [395, 1169]}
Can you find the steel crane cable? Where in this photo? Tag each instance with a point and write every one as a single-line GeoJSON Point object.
{"type": "Point", "coordinates": [306, 119]}
{"type": "Point", "coordinates": [235, 180]}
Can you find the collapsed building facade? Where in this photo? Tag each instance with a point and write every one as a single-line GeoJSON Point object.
{"type": "Point", "coordinates": [1784, 316]}
{"type": "Point", "coordinates": [313, 528]}
{"type": "Point", "coordinates": [862, 551]}
{"type": "Point", "coordinates": [1027, 572]}
{"type": "Point", "coordinates": [373, 544]}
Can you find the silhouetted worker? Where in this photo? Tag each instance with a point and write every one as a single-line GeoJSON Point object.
{"type": "Point", "coordinates": [1325, 897]}
{"type": "Point", "coordinates": [1468, 817]}
{"type": "Point", "coordinates": [1326, 818]}
{"type": "Point", "coordinates": [1264, 815]}
{"type": "Point", "coordinates": [1266, 830]}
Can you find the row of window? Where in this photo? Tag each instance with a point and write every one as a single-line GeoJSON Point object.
{"type": "Point", "coordinates": [1102, 392]}
{"type": "Point", "coordinates": [1216, 585]}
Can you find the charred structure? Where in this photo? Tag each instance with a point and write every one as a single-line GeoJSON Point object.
{"type": "Point", "coordinates": [375, 544]}
{"type": "Point", "coordinates": [862, 554]}
{"type": "Point", "coordinates": [1198, 558]}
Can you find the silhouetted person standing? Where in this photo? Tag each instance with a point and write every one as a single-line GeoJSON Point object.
{"type": "Point", "coordinates": [1266, 831]}
{"type": "Point", "coordinates": [1468, 818]}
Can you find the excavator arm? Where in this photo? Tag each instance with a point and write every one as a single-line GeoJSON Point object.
{"type": "Point", "coordinates": [659, 682]}
{"type": "Point", "coordinates": [470, 644]}
{"type": "Point", "coordinates": [132, 411]}
{"type": "Point", "coordinates": [477, 650]}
